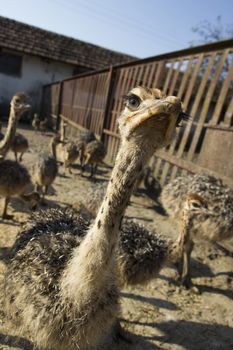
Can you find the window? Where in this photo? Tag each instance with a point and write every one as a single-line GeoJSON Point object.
{"type": "Point", "coordinates": [10, 64]}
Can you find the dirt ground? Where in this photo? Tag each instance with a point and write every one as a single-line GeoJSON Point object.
{"type": "Point", "coordinates": [161, 314]}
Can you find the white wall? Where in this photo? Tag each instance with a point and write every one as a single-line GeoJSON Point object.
{"type": "Point", "coordinates": [35, 73]}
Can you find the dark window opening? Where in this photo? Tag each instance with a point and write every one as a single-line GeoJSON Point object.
{"type": "Point", "coordinates": [10, 64]}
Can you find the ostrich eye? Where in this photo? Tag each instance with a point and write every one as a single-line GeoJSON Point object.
{"type": "Point", "coordinates": [133, 101]}
{"type": "Point", "coordinates": [17, 100]}
{"type": "Point", "coordinates": [196, 205]}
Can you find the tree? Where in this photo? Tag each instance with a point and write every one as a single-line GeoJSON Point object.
{"type": "Point", "coordinates": [210, 32]}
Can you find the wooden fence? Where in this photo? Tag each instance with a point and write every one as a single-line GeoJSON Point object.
{"type": "Point", "coordinates": [200, 76]}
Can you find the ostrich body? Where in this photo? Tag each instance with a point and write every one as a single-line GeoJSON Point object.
{"type": "Point", "coordinates": [19, 145]}
{"type": "Point", "coordinates": [46, 169]}
{"type": "Point", "coordinates": [94, 154]}
{"type": "Point", "coordinates": [14, 180]}
{"type": "Point", "coordinates": [141, 254]}
{"type": "Point", "coordinates": [45, 172]}
{"type": "Point", "coordinates": [17, 107]}
{"type": "Point", "coordinates": [66, 290]}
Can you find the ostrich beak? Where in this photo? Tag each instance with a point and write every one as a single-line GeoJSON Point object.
{"type": "Point", "coordinates": [159, 110]}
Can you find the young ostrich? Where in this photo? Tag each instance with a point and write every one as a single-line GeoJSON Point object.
{"type": "Point", "coordinates": [45, 170]}
{"type": "Point", "coordinates": [83, 139]}
{"type": "Point", "coordinates": [18, 106]}
{"type": "Point", "coordinates": [194, 207]}
{"type": "Point", "coordinates": [14, 180]}
{"type": "Point", "coordinates": [94, 154]}
{"type": "Point", "coordinates": [63, 292]}
{"type": "Point", "coordinates": [19, 145]}
{"type": "Point", "coordinates": [63, 151]}
{"type": "Point", "coordinates": [214, 225]}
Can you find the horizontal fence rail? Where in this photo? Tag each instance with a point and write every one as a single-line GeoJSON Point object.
{"type": "Point", "coordinates": [201, 76]}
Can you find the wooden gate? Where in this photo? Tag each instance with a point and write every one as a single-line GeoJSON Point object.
{"type": "Point", "coordinates": [200, 76]}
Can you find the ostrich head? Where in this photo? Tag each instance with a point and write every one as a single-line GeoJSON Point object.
{"type": "Point", "coordinates": [194, 205]}
{"type": "Point", "coordinates": [148, 112]}
{"type": "Point", "coordinates": [19, 103]}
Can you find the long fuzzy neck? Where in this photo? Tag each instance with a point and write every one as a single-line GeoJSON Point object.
{"type": "Point", "coordinates": [93, 261]}
{"type": "Point", "coordinates": [9, 135]}
{"type": "Point", "coordinates": [176, 249]}
{"type": "Point", "coordinates": [53, 149]}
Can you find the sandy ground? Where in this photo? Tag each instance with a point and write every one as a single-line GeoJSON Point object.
{"type": "Point", "coordinates": [161, 314]}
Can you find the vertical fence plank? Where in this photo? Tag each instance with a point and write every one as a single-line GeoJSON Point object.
{"type": "Point", "coordinates": [222, 95]}
{"type": "Point", "coordinates": [175, 78]}
{"type": "Point", "coordinates": [168, 77]}
{"type": "Point", "coordinates": [107, 109]}
{"type": "Point", "coordinates": [228, 118]}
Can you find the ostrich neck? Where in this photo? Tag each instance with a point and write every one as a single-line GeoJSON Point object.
{"type": "Point", "coordinates": [185, 227]}
{"type": "Point", "coordinates": [53, 150]}
{"type": "Point", "coordinates": [93, 261]}
{"type": "Point", "coordinates": [10, 133]}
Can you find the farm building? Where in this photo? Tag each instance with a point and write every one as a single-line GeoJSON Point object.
{"type": "Point", "coordinates": [31, 57]}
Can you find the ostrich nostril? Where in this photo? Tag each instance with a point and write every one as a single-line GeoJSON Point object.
{"type": "Point", "coordinates": [174, 100]}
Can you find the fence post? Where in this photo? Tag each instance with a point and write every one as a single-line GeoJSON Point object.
{"type": "Point", "coordinates": [42, 102]}
{"type": "Point", "coordinates": [59, 105]}
{"type": "Point", "coordinates": [112, 76]}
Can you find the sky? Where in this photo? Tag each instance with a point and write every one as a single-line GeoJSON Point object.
{"type": "Point", "coordinates": [140, 28]}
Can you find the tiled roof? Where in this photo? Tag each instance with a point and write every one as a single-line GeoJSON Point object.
{"type": "Point", "coordinates": [39, 42]}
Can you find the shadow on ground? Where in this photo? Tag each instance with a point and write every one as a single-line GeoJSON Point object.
{"type": "Point", "coordinates": [184, 333]}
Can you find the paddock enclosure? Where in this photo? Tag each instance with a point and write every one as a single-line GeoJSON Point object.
{"type": "Point", "coordinates": [201, 76]}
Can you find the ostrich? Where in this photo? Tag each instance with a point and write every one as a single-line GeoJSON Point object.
{"type": "Point", "coordinates": [19, 145]}
{"type": "Point", "coordinates": [18, 106]}
{"type": "Point", "coordinates": [62, 290]}
{"type": "Point", "coordinates": [14, 180]}
{"type": "Point", "coordinates": [44, 172]}
{"type": "Point", "coordinates": [216, 225]}
{"type": "Point", "coordinates": [94, 154]}
{"type": "Point", "coordinates": [65, 152]}
{"type": "Point", "coordinates": [36, 122]}
{"type": "Point", "coordinates": [83, 139]}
